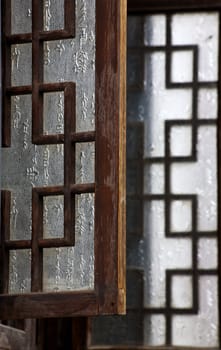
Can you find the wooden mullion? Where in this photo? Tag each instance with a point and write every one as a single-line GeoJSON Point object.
{"type": "Point", "coordinates": [18, 90]}
{"type": "Point", "coordinates": [5, 234]}
{"type": "Point", "coordinates": [23, 38]}
{"type": "Point", "coordinates": [87, 136]}
{"type": "Point", "coordinates": [69, 23]}
{"type": "Point", "coordinates": [6, 74]}
{"type": "Point", "coordinates": [18, 244]}
{"type": "Point", "coordinates": [55, 35]}
{"type": "Point", "coordinates": [150, 6]}
{"type": "Point", "coordinates": [37, 233]}
{"type": "Point", "coordinates": [57, 242]}
{"type": "Point", "coordinates": [37, 70]}
{"type": "Point", "coordinates": [69, 161]}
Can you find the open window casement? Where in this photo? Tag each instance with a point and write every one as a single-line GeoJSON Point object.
{"type": "Point", "coordinates": [62, 158]}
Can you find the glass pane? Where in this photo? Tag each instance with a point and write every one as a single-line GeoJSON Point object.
{"type": "Point", "coordinates": [199, 29]}
{"type": "Point", "coordinates": [19, 271]}
{"type": "Point", "coordinates": [53, 14]}
{"type": "Point", "coordinates": [33, 170]}
{"type": "Point", "coordinates": [21, 58]}
{"type": "Point", "coordinates": [85, 162]}
{"type": "Point", "coordinates": [201, 330]}
{"type": "Point", "coordinates": [21, 16]}
{"type": "Point", "coordinates": [172, 243]}
{"type": "Point", "coordinates": [73, 268]}
{"type": "Point", "coordinates": [208, 103]}
{"type": "Point", "coordinates": [53, 113]}
{"type": "Point", "coordinates": [74, 60]}
{"type": "Point", "coordinates": [162, 254]}
{"type": "Point", "coordinates": [53, 217]}
{"type": "Point", "coordinates": [200, 177]}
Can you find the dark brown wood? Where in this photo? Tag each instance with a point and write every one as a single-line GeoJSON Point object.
{"type": "Point", "coordinates": [19, 38]}
{"type": "Point", "coordinates": [51, 304]}
{"type": "Point", "coordinates": [69, 13]}
{"type": "Point", "coordinates": [142, 6]}
{"type": "Point", "coordinates": [18, 90]}
{"type": "Point", "coordinates": [109, 68]}
{"type": "Point", "coordinates": [79, 333]}
{"type": "Point", "coordinates": [108, 295]}
{"type": "Point", "coordinates": [17, 244]}
{"type": "Point", "coordinates": [219, 174]}
{"type": "Point", "coordinates": [5, 235]}
{"type": "Point", "coordinates": [37, 252]}
{"type": "Point", "coordinates": [6, 74]}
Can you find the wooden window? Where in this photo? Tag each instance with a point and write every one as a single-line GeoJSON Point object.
{"type": "Point", "coordinates": [62, 174]}
{"type": "Point", "coordinates": [173, 181]}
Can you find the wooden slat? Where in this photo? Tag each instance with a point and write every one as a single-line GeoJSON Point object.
{"type": "Point", "coordinates": [141, 6]}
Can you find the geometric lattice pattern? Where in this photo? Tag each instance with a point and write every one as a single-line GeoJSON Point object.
{"type": "Point", "coordinates": [175, 289]}
{"type": "Point", "coordinates": [172, 259]}
{"type": "Point", "coordinates": [41, 141]}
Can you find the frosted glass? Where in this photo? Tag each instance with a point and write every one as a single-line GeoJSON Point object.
{"type": "Point", "coordinates": [154, 178]}
{"type": "Point", "coordinates": [161, 254]}
{"type": "Point", "coordinates": [208, 103]}
{"type": "Point", "coordinates": [181, 141]}
{"type": "Point", "coordinates": [201, 29]}
{"type": "Point", "coordinates": [208, 253]}
{"type": "Point", "coordinates": [155, 30]}
{"type": "Point", "coordinates": [74, 60]}
{"type": "Point", "coordinates": [154, 330]}
{"type": "Point", "coordinates": [21, 58]}
{"type": "Point", "coordinates": [53, 217]}
{"type": "Point", "coordinates": [53, 108]}
{"type": "Point", "coordinates": [181, 216]}
{"type": "Point", "coordinates": [21, 16]}
{"type": "Point", "coordinates": [73, 268]}
{"type": "Point", "coordinates": [161, 104]}
{"type": "Point", "coordinates": [27, 166]}
{"type": "Point", "coordinates": [182, 66]}
{"type": "Point", "coordinates": [19, 271]}
{"type": "Point", "coordinates": [201, 330]}
{"type": "Point", "coordinates": [200, 177]}
{"type": "Point", "coordinates": [85, 162]}
{"type": "Point", "coordinates": [53, 15]}
{"type": "Point", "coordinates": [182, 292]}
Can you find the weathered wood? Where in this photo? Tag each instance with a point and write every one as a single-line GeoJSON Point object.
{"type": "Point", "coordinates": [142, 6]}
{"type": "Point", "coordinates": [108, 295]}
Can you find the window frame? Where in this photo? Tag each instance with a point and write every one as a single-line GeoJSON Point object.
{"type": "Point", "coordinates": [148, 7]}
{"type": "Point", "coordinates": [108, 296]}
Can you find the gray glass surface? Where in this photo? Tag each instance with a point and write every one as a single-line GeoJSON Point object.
{"type": "Point", "coordinates": [27, 165]}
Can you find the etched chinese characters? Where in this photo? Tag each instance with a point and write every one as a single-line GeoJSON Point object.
{"type": "Point", "coordinates": [34, 161]}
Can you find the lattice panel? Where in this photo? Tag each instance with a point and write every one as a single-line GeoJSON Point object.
{"type": "Point", "coordinates": [172, 243]}
{"type": "Point", "coordinates": [49, 146]}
